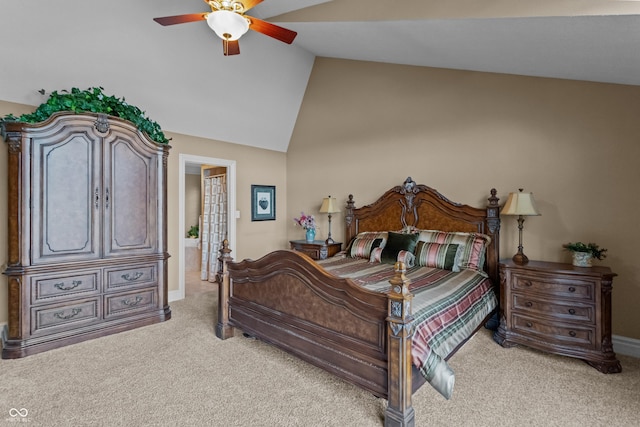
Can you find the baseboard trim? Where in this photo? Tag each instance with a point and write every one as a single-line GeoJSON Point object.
{"type": "Point", "coordinates": [626, 346]}
{"type": "Point", "coordinates": [175, 295]}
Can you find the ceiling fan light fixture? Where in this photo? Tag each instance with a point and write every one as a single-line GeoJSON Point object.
{"type": "Point", "coordinates": [228, 25]}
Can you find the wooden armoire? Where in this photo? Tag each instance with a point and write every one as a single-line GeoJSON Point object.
{"type": "Point", "coordinates": [87, 232]}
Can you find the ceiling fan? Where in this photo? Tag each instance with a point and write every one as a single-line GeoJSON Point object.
{"type": "Point", "coordinates": [229, 22]}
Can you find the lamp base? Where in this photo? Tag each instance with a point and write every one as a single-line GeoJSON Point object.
{"type": "Point", "coordinates": [520, 258]}
{"type": "Point", "coordinates": [329, 241]}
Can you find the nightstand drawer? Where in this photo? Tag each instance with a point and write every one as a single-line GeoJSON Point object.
{"type": "Point", "coordinates": [561, 310]}
{"type": "Point", "coordinates": [550, 332]}
{"type": "Point", "coordinates": [316, 249]}
{"type": "Point", "coordinates": [557, 286]}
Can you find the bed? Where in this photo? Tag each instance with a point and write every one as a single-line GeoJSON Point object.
{"type": "Point", "coordinates": [362, 329]}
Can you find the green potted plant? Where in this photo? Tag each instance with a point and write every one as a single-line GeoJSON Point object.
{"type": "Point", "coordinates": [583, 254]}
{"type": "Point", "coordinates": [193, 232]}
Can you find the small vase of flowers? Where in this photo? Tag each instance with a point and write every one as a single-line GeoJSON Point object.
{"type": "Point", "coordinates": [308, 223]}
{"type": "Point", "coordinates": [583, 254]}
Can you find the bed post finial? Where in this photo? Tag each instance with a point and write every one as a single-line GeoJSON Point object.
{"type": "Point", "coordinates": [399, 411]}
{"type": "Point", "coordinates": [223, 330]}
{"type": "Point", "coordinates": [350, 231]}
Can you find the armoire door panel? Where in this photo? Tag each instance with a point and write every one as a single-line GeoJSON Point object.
{"type": "Point", "coordinates": [63, 220]}
{"type": "Point", "coordinates": [130, 198]}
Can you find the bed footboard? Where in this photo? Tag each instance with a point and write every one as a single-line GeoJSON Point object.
{"type": "Point", "coordinates": [288, 300]}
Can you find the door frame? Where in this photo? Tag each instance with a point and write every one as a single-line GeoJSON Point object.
{"type": "Point", "coordinates": [185, 159]}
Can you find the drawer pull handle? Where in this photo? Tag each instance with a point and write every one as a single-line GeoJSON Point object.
{"type": "Point", "coordinates": [529, 324]}
{"type": "Point", "coordinates": [572, 311]}
{"type": "Point", "coordinates": [528, 304]}
{"type": "Point", "coordinates": [132, 302]}
{"type": "Point", "coordinates": [572, 333]}
{"type": "Point", "coordinates": [572, 289]}
{"type": "Point", "coordinates": [74, 313]}
{"type": "Point", "coordinates": [527, 283]}
{"type": "Point", "coordinates": [132, 278]}
{"type": "Point", "coordinates": [74, 285]}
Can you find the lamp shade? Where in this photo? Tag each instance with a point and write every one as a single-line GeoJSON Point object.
{"type": "Point", "coordinates": [520, 204]}
{"type": "Point", "coordinates": [227, 25]}
{"type": "Point", "coordinates": [329, 205]}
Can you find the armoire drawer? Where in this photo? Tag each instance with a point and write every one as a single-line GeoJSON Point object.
{"type": "Point", "coordinates": [129, 276]}
{"type": "Point", "coordinates": [54, 287]}
{"type": "Point", "coordinates": [52, 318]}
{"type": "Point", "coordinates": [555, 332]}
{"type": "Point", "coordinates": [123, 304]}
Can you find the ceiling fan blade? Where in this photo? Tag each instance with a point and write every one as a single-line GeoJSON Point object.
{"type": "Point", "coordinates": [181, 19]}
{"type": "Point", "coordinates": [230, 47]}
{"type": "Point", "coordinates": [248, 4]}
{"type": "Point", "coordinates": [272, 30]}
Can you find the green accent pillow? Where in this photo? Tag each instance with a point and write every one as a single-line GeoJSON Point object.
{"type": "Point", "coordinates": [397, 242]}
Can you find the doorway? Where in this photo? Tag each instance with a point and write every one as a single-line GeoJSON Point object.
{"type": "Point", "coordinates": [188, 163]}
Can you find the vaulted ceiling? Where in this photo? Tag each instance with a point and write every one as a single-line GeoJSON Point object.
{"type": "Point", "coordinates": [180, 77]}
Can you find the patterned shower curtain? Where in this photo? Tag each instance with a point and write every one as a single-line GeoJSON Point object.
{"type": "Point", "coordinates": [214, 224]}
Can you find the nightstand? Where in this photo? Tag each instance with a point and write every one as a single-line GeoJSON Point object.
{"type": "Point", "coordinates": [560, 309]}
{"type": "Point", "coordinates": [318, 249]}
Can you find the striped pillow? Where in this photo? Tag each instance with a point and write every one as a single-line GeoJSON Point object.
{"type": "Point", "coordinates": [437, 255]}
{"type": "Point", "coordinates": [363, 243]}
{"type": "Point", "coordinates": [474, 246]}
{"type": "Point", "coordinates": [408, 258]}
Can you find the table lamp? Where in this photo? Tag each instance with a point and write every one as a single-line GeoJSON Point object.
{"type": "Point", "coordinates": [329, 206]}
{"type": "Point", "coordinates": [521, 204]}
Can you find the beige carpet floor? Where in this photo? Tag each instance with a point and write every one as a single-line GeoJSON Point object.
{"type": "Point", "coordinates": [178, 373]}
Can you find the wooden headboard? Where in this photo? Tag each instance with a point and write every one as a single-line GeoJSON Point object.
{"type": "Point", "coordinates": [421, 207]}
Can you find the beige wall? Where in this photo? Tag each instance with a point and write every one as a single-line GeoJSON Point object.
{"type": "Point", "coordinates": [253, 166]}
{"type": "Point", "coordinates": [192, 201]}
{"type": "Point", "coordinates": [364, 127]}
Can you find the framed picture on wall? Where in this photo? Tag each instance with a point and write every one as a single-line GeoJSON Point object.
{"type": "Point", "coordinates": [263, 202]}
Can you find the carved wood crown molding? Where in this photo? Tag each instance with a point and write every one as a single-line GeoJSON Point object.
{"type": "Point", "coordinates": [102, 123]}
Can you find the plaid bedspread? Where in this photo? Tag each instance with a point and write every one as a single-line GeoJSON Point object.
{"type": "Point", "coordinates": [447, 308]}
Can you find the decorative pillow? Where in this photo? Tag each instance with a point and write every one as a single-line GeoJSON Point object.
{"type": "Point", "coordinates": [376, 255]}
{"type": "Point", "coordinates": [474, 246]}
{"type": "Point", "coordinates": [363, 243]}
{"type": "Point", "coordinates": [437, 255]}
{"type": "Point", "coordinates": [407, 258]}
{"type": "Point", "coordinates": [397, 242]}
